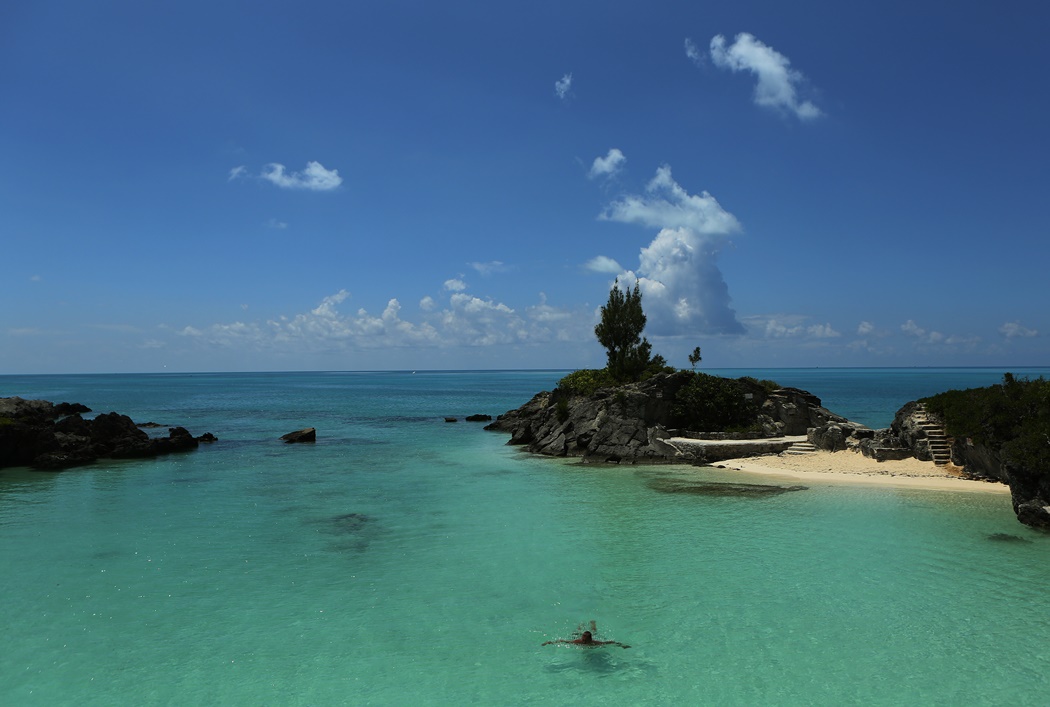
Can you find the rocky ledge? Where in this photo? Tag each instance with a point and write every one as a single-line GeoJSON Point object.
{"type": "Point", "coordinates": [49, 437]}
{"type": "Point", "coordinates": [636, 423]}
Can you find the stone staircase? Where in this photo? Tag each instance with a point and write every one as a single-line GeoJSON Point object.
{"type": "Point", "coordinates": [800, 448]}
{"type": "Point", "coordinates": [940, 447]}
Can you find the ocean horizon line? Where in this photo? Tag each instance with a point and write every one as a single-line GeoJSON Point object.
{"type": "Point", "coordinates": [409, 371]}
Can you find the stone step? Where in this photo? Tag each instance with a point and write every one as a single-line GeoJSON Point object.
{"type": "Point", "coordinates": [801, 448]}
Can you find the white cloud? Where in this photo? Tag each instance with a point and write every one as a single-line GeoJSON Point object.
{"type": "Point", "coordinates": [822, 331]}
{"type": "Point", "coordinates": [276, 225]}
{"type": "Point", "coordinates": [683, 289]}
{"type": "Point", "coordinates": [865, 328]}
{"type": "Point", "coordinates": [912, 329]}
{"type": "Point", "coordinates": [1012, 330]}
{"type": "Point", "coordinates": [777, 81]}
{"type": "Point", "coordinates": [603, 264]}
{"type": "Point", "coordinates": [237, 172]}
{"type": "Point", "coordinates": [314, 178]}
{"type": "Point", "coordinates": [455, 285]}
{"type": "Point", "coordinates": [937, 338]}
{"type": "Point", "coordinates": [784, 326]}
{"type": "Point", "coordinates": [562, 86]}
{"type": "Point", "coordinates": [693, 52]}
{"type": "Point", "coordinates": [667, 205]}
{"type": "Point", "coordinates": [489, 268]}
{"type": "Point", "coordinates": [465, 320]}
{"type": "Point", "coordinates": [607, 166]}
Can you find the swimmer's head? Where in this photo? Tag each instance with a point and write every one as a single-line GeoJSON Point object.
{"type": "Point", "coordinates": [587, 636]}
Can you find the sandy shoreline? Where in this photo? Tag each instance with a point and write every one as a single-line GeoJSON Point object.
{"type": "Point", "coordinates": [853, 468]}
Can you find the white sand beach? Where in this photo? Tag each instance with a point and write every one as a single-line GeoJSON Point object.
{"type": "Point", "coordinates": [854, 468]}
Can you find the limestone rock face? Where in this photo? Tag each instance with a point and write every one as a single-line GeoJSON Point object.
{"type": "Point", "coordinates": [629, 424]}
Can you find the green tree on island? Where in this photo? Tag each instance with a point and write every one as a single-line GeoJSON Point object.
{"type": "Point", "coordinates": [694, 358]}
{"type": "Point", "coordinates": [620, 332]}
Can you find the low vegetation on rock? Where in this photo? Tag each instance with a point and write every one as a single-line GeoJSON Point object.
{"type": "Point", "coordinates": [1013, 417]}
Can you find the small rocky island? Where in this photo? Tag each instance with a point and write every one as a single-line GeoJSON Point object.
{"type": "Point", "coordinates": [50, 437]}
{"type": "Point", "coordinates": [658, 419]}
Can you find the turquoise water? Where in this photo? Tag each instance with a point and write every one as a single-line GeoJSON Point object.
{"type": "Point", "coordinates": [404, 560]}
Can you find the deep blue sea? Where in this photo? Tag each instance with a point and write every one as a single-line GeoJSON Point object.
{"type": "Point", "coordinates": [403, 560]}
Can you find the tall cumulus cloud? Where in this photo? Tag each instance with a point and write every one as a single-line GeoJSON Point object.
{"type": "Point", "coordinates": [683, 289]}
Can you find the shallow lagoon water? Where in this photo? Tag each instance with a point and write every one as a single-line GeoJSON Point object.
{"type": "Point", "coordinates": [402, 559]}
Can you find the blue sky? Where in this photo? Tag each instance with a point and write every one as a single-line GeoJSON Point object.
{"type": "Point", "coordinates": [414, 185]}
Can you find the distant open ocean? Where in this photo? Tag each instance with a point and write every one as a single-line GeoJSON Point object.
{"type": "Point", "coordinates": [403, 560]}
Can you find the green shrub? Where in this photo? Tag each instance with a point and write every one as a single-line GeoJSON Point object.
{"type": "Point", "coordinates": [770, 386]}
{"type": "Point", "coordinates": [586, 381]}
{"type": "Point", "coordinates": [713, 404]}
{"type": "Point", "coordinates": [561, 409]}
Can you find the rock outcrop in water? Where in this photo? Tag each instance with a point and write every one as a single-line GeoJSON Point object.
{"type": "Point", "coordinates": [307, 434]}
{"type": "Point", "coordinates": [48, 437]}
{"type": "Point", "coordinates": [629, 423]}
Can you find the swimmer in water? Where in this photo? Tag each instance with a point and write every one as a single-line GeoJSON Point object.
{"type": "Point", "coordinates": [587, 639]}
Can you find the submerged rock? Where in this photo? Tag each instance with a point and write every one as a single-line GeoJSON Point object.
{"type": "Point", "coordinates": [1007, 538]}
{"type": "Point", "coordinates": [720, 488]}
{"type": "Point", "coordinates": [349, 522]}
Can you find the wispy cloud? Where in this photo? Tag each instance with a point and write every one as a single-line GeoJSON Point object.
{"type": "Point", "coordinates": [607, 166]}
{"type": "Point", "coordinates": [865, 328]}
{"type": "Point", "coordinates": [693, 52]}
{"type": "Point", "coordinates": [314, 178]}
{"type": "Point", "coordinates": [237, 172]}
{"type": "Point", "coordinates": [489, 268]}
{"type": "Point", "coordinates": [678, 274]}
{"type": "Point", "coordinates": [276, 225]}
{"type": "Point", "coordinates": [562, 86]}
{"type": "Point", "coordinates": [778, 83]}
{"type": "Point", "coordinates": [455, 285]}
{"type": "Point", "coordinates": [1013, 330]}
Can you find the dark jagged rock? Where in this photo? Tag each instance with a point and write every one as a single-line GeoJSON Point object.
{"type": "Point", "coordinates": [478, 418]}
{"type": "Point", "coordinates": [628, 424]}
{"type": "Point", "coordinates": [150, 425]}
{"type": "Point", "coordinates": [208, 438]}
{"type": "Point", "coordinates": [50, 437]}
{"type": "Point", "coordinates": [451, 419]}
{"type": "Point", "coordinates": [308, 434]}
{"type": "Point", "coordinates": [63, 409]}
